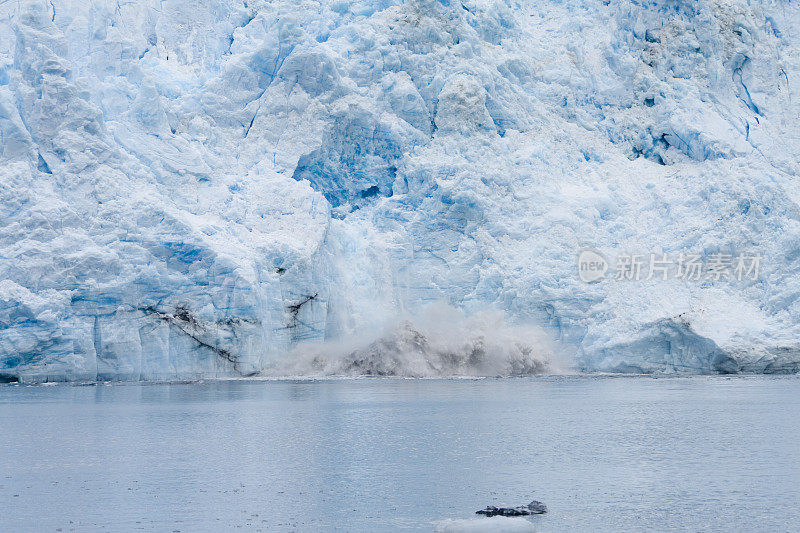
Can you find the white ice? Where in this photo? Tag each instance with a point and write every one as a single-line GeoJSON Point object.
{"type": "Point", "coordinates": [203, 189]}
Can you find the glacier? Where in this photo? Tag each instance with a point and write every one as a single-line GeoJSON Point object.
{"type": "Point", "coordinates": [234, 188]}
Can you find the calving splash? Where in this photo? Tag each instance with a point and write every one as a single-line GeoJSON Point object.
{"type": "Point", "coordinates": [230, 188]}
{"type": "Point", "coordinates": [441, 342]}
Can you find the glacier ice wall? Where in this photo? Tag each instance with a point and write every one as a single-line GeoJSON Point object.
{"type": "Point", "coordinates": [193, 189]}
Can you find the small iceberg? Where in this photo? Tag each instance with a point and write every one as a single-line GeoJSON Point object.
{"type": "Point", "coordinates": [535, 507]}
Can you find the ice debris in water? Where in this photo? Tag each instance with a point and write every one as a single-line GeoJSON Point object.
{"type": "Point", "coordinates": [535, 507]}
{"type": "Point", "coordinates": [497, 524]}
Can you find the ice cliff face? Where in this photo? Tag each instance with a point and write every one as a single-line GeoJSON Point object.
{"type": "Point", "coordinates": [199, 188]}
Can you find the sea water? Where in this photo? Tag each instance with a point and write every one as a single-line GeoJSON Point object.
{"type": "Point", "coordinates": [604, 453]}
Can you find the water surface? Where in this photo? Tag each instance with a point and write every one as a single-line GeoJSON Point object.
{"type": "Point", "coordinates": [604, 453]}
